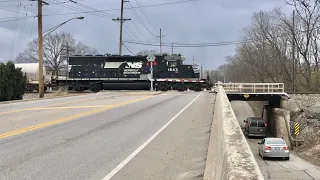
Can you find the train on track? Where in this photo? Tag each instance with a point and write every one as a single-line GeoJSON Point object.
{"type": "Point", "coordinates": [114, 72]}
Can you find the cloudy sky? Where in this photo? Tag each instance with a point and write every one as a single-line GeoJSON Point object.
{"type": "Point", "coordinates": [184, 22]}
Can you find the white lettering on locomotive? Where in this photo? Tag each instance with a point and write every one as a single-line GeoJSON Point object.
{"type": "Point", "coordinates": [131, 71]}
{"type": "Point", "coordinates": [135, 65]}
{"type": "Point", "coordinates": [172, 69]}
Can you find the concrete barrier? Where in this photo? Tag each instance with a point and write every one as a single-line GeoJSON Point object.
{"type": "Point", "coordinates": [229, 155]}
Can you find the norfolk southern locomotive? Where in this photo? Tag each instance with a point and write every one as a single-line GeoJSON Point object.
{"type": "Point", "coordinates": [114, 72]}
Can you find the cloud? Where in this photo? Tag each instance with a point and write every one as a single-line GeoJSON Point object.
{"type": "Point", "coordinates": [191, 22]}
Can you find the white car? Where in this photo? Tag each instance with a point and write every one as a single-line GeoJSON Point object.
{"type": "Point", "coordinates": [274, 147]}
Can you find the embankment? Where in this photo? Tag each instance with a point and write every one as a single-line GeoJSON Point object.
{"type": "Point", "coordinates": [229, 155]}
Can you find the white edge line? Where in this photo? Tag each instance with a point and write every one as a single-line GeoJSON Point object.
{"type": "Point", "coordinates": [135, 152]}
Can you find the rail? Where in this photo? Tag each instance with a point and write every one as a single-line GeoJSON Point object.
{"type": "Point", "coordinates": [252, 87]}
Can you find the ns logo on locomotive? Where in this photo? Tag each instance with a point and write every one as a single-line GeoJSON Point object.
{"type": "Point", "coordinates": [132, 68]}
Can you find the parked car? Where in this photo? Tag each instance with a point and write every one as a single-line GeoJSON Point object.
{"type": "Point", "coordinates": [255, 126]}
{"type": "Point", "coordinates": [273, 147]}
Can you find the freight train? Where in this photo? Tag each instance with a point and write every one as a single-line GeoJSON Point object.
{"type": "Point", "coordinates": [114, 72]}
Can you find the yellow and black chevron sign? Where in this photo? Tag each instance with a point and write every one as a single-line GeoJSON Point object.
{"type": "Point", "coordinates": [246, 96]}
{"type": "Point", "coordinates": [296, 128]}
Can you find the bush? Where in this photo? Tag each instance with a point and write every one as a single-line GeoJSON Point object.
{"type": "Point", "coordinates": [12, 82]}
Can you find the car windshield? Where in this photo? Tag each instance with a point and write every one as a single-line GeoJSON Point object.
{"type": "Point", "coordinates": [275, 141]}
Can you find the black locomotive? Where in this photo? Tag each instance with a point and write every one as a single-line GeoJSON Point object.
{"type": "Point", "coordinates": [114, 72]}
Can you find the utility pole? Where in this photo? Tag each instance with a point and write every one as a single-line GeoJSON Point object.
{"type": "Point", "coordinates": [293, 53]}
{"type": "Point", "coordinates": [40, 49]}
{"type": "Point", "coordinates": [160, 41]}
{"type": "Point", "coordinates": [68, 55]}
{"type": "Point", "coordinates": [122, 20]}
{"type": "Point", "coordinates": [193, 60]}
{"type": "Point", "coordinates": [201, 71]}
{"type": "Point", "coordinates": [172, 48]}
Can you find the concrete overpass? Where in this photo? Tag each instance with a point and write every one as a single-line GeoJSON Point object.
{"type": "Point", "coordinates": [271, 92]}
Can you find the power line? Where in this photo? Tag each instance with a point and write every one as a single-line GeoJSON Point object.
{"type": "Point", "coordinates": [12, 11]}
{"type": "Point", "coordinates": [127, 48]}
{"type": "Point", "coordinates": [89, 7]}
{"type": "Point", "coordinates": [77, 9]}
{"type": "Point", "coordinates": [144, 13]}
{"type": "Point", "coordinates": [192, 45]}
{"type": "Point", "coordinates": [17, 19]}
{"type": "Point", "coordinates": [106, 10]}
{"type": "Point", "coordinates": [151, 5]}
{"type": "Point", "coordinates": [136, 14]}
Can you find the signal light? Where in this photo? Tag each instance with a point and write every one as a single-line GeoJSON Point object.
{"type": "Point", "coordinates": [154, 63]}
{"type": "Point", "coordinates": [147, 63]}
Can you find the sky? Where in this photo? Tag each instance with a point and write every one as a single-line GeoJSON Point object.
{"type": "Point", "coordinates": [184, 22]}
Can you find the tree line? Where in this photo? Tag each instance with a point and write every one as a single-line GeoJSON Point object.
{"type": "Point", "coordinates": [277, 47]}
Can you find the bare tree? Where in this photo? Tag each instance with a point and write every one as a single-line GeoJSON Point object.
{"type": "Point", "coordinates": [56, 48]}
{"type": "Point", "coordinates": [267, 51]}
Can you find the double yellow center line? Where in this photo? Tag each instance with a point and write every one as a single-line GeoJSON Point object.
{"type": "Point", "coordinates": [31, 128]}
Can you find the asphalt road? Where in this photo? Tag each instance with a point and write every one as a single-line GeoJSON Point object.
{"type": "Point", "coordinates": [276, 169]}
{"type": "Point", "coordinates": [106, 136]}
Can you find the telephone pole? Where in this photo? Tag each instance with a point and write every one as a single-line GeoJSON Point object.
{"type": "Point", "coordinates": [160, 41]}
{"type": "Point", "coordinates": [172, 48]}
{"type": "Point", "coordinates": [293, 53]}
{"type": "Point", "coordinates": [40, 50]}
{"type": "Point", "coordinates": [193, 60]}
{"type": "Point", "coordinates": [122, 20]}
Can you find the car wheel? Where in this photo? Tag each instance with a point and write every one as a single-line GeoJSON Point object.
{"type": "Point", "coordinates": [287, 158]}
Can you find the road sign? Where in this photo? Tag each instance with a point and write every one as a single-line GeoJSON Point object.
{"type": "Point", "coordinates": [151, 69]}
{"type": "Point", "coordinates": [297, 128]}
{"type": "Point", "coordinates": [246, 96]}
{"type": "Point", "coordinates": [151, 57]}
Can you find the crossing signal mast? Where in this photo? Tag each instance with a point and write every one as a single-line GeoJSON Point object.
{"type": "Point", "coordinates": [121, 20]}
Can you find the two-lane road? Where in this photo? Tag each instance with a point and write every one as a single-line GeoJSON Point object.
{"type": "Point", "coordinates": [275, 169]}
{"type": "Point", "coordinates": [107, 136]}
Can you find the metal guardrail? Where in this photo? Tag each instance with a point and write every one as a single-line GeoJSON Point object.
{"type": "Point", "coordinates": [252, 87]}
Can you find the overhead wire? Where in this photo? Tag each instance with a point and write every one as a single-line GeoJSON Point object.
{"type": "Point", "coordinates": [138, 28]}
{"type": "Point", "coordinates": [106, 10]}
{"type": "Point", "coordinates": [193, 45]}
{"type": "Point", "coordinates": [145, 15]}
{"type": "Point", "coordinates": [136, 14]}
{"type": "Point", "coordinates": [14, 32]}
{"type": "Point", "coordinates": [128, 48]}
{"type": "Point", "coordinates": [82, 5]}
{"type": "Point", "coordinates": [77, 9]}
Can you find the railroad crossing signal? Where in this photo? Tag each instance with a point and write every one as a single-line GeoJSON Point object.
{"type": "Point", "coordinates": [246, 96]}
{"type": "Point", "coordinates": [296, 128]}
{"type": "Point", "coordinates": [151, 57]}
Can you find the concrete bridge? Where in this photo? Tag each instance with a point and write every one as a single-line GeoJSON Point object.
{"type": "Point", "coordinates": [237, 159]}
{"type": "Point", "coordinates": [272, 92]}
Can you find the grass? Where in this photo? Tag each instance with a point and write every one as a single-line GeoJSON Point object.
{"type": "Point", "coordinates": [62, 91]}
